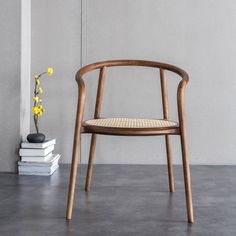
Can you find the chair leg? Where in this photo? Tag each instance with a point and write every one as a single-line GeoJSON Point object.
{"type": "Point", "coordinates": [169, 163]}
{"type": "Point", "coordinates": [187, 178]}
{"type": "Point", "coordinates": [90, 163]}
{"type": "Point", "coordinates": [73, 176]}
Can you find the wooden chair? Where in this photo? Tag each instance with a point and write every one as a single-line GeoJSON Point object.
{"type": "Point", "coordinates": [131, 127]}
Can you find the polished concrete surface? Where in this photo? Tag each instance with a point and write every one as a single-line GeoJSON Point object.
{"type": "Point", "coordinates": [124, 200]}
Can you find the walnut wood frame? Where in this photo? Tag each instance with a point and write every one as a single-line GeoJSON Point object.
{"type": "Point", "coordinates": [179, 130]}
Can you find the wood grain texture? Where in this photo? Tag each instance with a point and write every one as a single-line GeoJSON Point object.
{"type": "Point", "coordinates": [76, 149]}
{"type": "Point", "coordinates": [167, 137]}
{"type": "Point", "coordinates": [130, 131]}
{"type": "Point", "coordinates": [97, 112]}
{"type": "Point", "coordinates": [184, 148]}
{"type": "Point", "coordinates": [80, 126]}
{"type": "Point", "coordinates": [143, 63]}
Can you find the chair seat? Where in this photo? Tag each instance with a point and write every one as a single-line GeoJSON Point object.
{"type": "Point", "coordinates": [129, 126]}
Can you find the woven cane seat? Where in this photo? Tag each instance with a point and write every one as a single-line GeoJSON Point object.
{"type": "Point", "coordinates": [124, 124]}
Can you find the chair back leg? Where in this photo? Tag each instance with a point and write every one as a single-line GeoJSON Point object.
{"type": "Point", "coordinates": [97, 112]}
{"type": "Point", "coordinates": [167, 138]}
{"type": "Point", "coordinates": [90, 162]}
{"type": "Point", "coordinates": [169, 163]}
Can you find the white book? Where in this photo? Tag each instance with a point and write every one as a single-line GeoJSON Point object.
{"type": "Point", "coordinates": [46, 143]}
{"type": "Point", "coordinates": [36, 158]}
{"type": "Point", "coordinates": [44, 169]}
{"type": "Point", "coordinates": [36, 152]}
{"type": "Point", "coordinates": [53, 160]}
{"type": "Point", "coordinates": [47, 173]}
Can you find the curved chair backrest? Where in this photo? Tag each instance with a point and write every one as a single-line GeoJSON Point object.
{"type": "Point", "coordinates": [103, 65]}
{"type": "Point", "coordinates": [163, 66]}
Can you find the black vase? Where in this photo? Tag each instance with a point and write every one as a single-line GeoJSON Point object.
{"type": "Point", "coordinates": [36, 138]}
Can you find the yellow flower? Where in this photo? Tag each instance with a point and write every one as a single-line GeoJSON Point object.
{"type": "Point", "coordinates": [36, 76]}
{"type": "Point", "coordinates": [37, 80]}
{"type": "Point", "coordinates": [38, 110]}
{"type": "Point", "coordinates": [50, 71]}
{"type": "Point", "coordinates": [40, 100]}
{"type": "Point", "coordinates": [41, 110]}
{"type": "Point", "coordinates": [40, 90]}
{"type": "Point", "coordinates": [35, 110]}
{"type": "Point", "coordinates": [36, 99]}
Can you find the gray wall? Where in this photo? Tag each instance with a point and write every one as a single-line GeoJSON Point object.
{"type": "Point", "coordinates": [56, 43]}
{"type": "Point", "coordinates": [198, 36]}
{"type": "Point", "coordinates": [10, 83]}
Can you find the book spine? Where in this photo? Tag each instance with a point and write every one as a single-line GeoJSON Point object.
{"type": "Point", "coordinates": [39, 173]}
{"type": "Point", "coordinates": [36, 152]}
{"type": "Point", "coordinates": [38, 170]}
{"type": "Point", "coordinates": [35, 158]}
{"type": "Point", "coordinates": [38, 145]}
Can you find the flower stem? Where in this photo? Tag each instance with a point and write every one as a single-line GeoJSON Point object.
{"type": "Point", "coordinates": [36, 117]}
{"type": "Point", "coordinates": [36, 123]}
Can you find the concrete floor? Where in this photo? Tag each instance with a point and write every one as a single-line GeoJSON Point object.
{"type": "Point", "coordinates": [124, 200]}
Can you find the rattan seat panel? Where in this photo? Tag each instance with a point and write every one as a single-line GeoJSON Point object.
{"type": "Point", "coordinates": [130, 123]}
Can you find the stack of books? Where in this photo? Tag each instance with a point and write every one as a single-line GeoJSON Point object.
{"type": "Point", "coordinates": [37, 158]}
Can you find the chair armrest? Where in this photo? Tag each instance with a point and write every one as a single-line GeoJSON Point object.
{"type": "Point", "coordinates": [181, 102]}
{"type": "Point", "coordinates": [80, 105]}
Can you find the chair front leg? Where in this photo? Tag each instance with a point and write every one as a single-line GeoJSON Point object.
{"type": "Point", "coordinates": [187, 178]}
{"type": "Point", "coordinates": [184, 148]}
{"type": "Point", "coordinates": [76, 149]}
{"type": "Point", "coordinates": [73, 176]}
